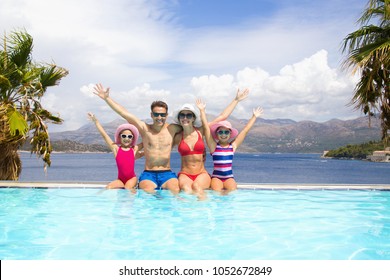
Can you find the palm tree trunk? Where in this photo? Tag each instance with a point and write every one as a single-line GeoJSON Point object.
{"type": "Point", "coordinates": [10, 163]}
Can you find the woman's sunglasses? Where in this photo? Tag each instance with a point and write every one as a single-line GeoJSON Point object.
{"type": "Point", "coordinates": [128, 136]}
{"type": "Point", "coordinates": [186, 116]}
{"type": "Point", "coordinates": [222, 132]}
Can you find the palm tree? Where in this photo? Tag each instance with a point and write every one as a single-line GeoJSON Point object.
{"type": "Point", "coordinates": [369, 53]}
{"type": "Point", "coordinates": [22, 85]}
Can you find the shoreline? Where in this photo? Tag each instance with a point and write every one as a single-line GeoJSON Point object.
{"type": "Point", "coordinates": [175, 152]}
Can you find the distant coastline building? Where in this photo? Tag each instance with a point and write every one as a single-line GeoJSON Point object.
{"type": "Point", "coordinates": [380, 156]}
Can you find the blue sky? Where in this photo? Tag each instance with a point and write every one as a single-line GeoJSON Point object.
{"type": "Point", "coordinates": [286, 52]}
{"type": "Point", "coordinates": [193, 14]}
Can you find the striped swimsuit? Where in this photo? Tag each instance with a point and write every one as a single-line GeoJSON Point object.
{"type": "Point", "coordinates": [223, 162]}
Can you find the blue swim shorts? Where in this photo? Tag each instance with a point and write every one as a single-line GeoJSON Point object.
{"type": "Point", "coordinates": [159, 177]}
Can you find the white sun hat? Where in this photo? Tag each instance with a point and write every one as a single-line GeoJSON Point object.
{"type": "Point", "coordinates": [187, 107]}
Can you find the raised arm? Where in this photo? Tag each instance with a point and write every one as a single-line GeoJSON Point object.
{"type": "Point", "coordinates": [104, 94]}
{"type": "Point", "coordinates": [241, 95]}
{"type": "Point", "coordinates": [241, 136]}
{"type": "Point", "coordinates": [206, 128]}
{"type": "Point", "coordinates": [104, 134]}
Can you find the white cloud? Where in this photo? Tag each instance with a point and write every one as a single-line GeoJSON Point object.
{"type": "Point", "coordinates": [309, 89]}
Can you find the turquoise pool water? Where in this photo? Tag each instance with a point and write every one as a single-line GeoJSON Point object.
{"type": "Point", "coordinates": [93, 224]}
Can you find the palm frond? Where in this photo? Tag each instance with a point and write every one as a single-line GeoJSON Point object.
{"type": "Point", "coordinates": [20, 46]}
{"type": "Point", "coordinates": [51, 75]}
{"type": "Point", "coordinates": [17, 122]}
{"type": "Point", "coordinates": [361, 37]}
{"type": "Point", "coordinates": [4, 83]}
{"type": "Point", "coordinates": [376, 9]}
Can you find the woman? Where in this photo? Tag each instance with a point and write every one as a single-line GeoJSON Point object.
{"type": "Point", "coordinates": [193, 176]}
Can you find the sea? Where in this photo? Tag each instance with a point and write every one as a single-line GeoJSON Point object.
{"type": "Point", "coordinates": [254, 168]}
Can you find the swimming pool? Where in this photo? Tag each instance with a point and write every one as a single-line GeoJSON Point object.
{"type": "Point", "coordinates": [96, 224]}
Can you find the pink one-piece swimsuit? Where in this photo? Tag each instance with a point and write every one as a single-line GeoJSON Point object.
{"type": "Point", "coordinates": [125, 163]}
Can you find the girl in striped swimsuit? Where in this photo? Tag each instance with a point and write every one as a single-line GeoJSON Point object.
{"type": "Point", "coordinates": [223, 140]}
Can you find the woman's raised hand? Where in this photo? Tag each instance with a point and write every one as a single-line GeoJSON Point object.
{"type": "Point", "coordinates": [200, 104]}
{"type": "Point", "coordinates": [241, 95]}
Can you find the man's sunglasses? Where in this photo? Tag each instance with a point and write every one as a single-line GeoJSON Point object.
{"type": "Point", "coordinates": [163, 115]}
{"type": "Point", "coordinates": [221, 132]}
{"type": "Point", "coordinates": [128, 136]}
{"type": "Point", "coordinates": [187, 116]}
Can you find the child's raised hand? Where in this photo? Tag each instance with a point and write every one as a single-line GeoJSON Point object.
{"type": "Point", "coordinates": [101, 92]}
{"type": "Point", "coordinates": [91, 116]}
{"type": "Point", "coordinates": [241, 95]}
{"type": "Point", "coordinates": [257, 112]}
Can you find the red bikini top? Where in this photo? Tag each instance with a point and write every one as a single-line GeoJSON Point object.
{"type": "Point", "coordinates": [185, 150]}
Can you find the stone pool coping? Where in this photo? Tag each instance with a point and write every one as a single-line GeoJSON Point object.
{"type": "Point", "coordinates": [292, 186]}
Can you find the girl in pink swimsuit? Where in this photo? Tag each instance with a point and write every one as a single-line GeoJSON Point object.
{"type": "Point", "coordinates": [125, 152]}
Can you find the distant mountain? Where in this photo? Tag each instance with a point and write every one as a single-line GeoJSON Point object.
{"type": "Point", "coordinates": [279, 135]}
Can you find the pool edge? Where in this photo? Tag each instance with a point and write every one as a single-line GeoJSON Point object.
{"type": "Point", "coordinates": [290, 186]}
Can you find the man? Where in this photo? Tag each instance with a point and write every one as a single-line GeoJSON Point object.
{"type": "Point", "coordinates": [157, 140]}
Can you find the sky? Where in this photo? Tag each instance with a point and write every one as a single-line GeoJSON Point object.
{"type": "Point", "coordinates": [286, 52]}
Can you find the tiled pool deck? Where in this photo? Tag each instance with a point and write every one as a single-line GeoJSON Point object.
{"type": "Point", "coordinates": [294, 186]}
